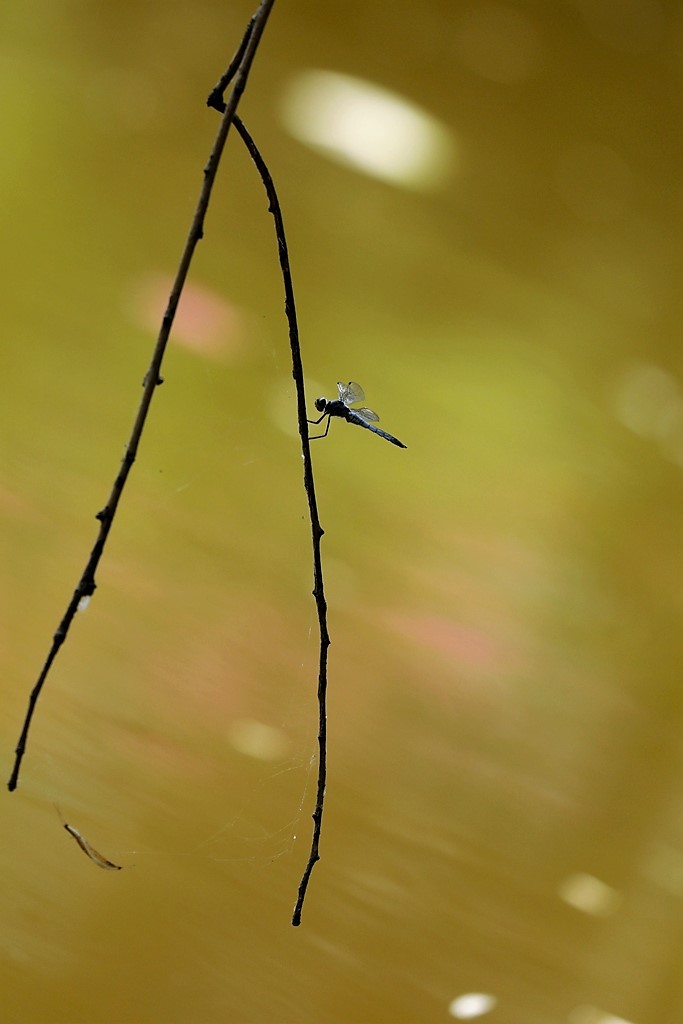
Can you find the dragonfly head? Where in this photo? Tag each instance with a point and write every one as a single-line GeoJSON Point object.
{"type": "Point", "coordinates": [321, 404]}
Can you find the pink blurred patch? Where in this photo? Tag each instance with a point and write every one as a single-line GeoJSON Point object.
{"type": "Point", "coordinates": [472, 648]}
{"type": "Point", "coordinates": [204, 323]}
{"type": "Point", "coordinates": [162, 755]}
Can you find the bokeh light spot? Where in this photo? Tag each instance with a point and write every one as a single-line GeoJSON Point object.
{"type": "Point", "coordinates": [471, 1005]}
{"type": "Point", "coordinates": [649, 401]}
{"type": "Point", "coordinates": [592, 1015]}
{"type": "Point", "coordinates": [369, 128]}
{"type": "Point", "coordinates": [258, 740]}
{"type": "Point", "coordinates": [589, 895]}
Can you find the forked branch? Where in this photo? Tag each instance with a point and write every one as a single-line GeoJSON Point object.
{"type": "Point", "coordinates": [240, 68]}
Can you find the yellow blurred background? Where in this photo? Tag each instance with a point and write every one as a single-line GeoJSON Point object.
{"type": "Point", "coordinates": [483, 204]}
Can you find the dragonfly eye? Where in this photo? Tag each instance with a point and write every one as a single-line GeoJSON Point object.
{"type": "Point", "coordinates": [320, 404]}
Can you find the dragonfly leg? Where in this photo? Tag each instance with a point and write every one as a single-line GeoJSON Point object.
{"type": "Point", "coordinates": [317, 436]}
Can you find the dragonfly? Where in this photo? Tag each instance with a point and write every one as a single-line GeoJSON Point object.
{"type": "Point", "coordinates": [348, 395]}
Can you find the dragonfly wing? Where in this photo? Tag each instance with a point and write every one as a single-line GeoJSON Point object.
{"type": "Point", "coordinates": [368, 414]}
{"type": "Point", "coordinates": [350, 393]}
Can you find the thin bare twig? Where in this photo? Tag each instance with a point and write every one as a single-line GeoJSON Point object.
{"type": "Point", "coordinates": [316, 529]}
{"type": "Point", "coordinates": [86, 585]}
{"type": "Point", "coordinates": [215, 99]}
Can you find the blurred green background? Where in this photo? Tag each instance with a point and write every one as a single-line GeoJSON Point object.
{"type": "Point", "coordinates": [501, 272]}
